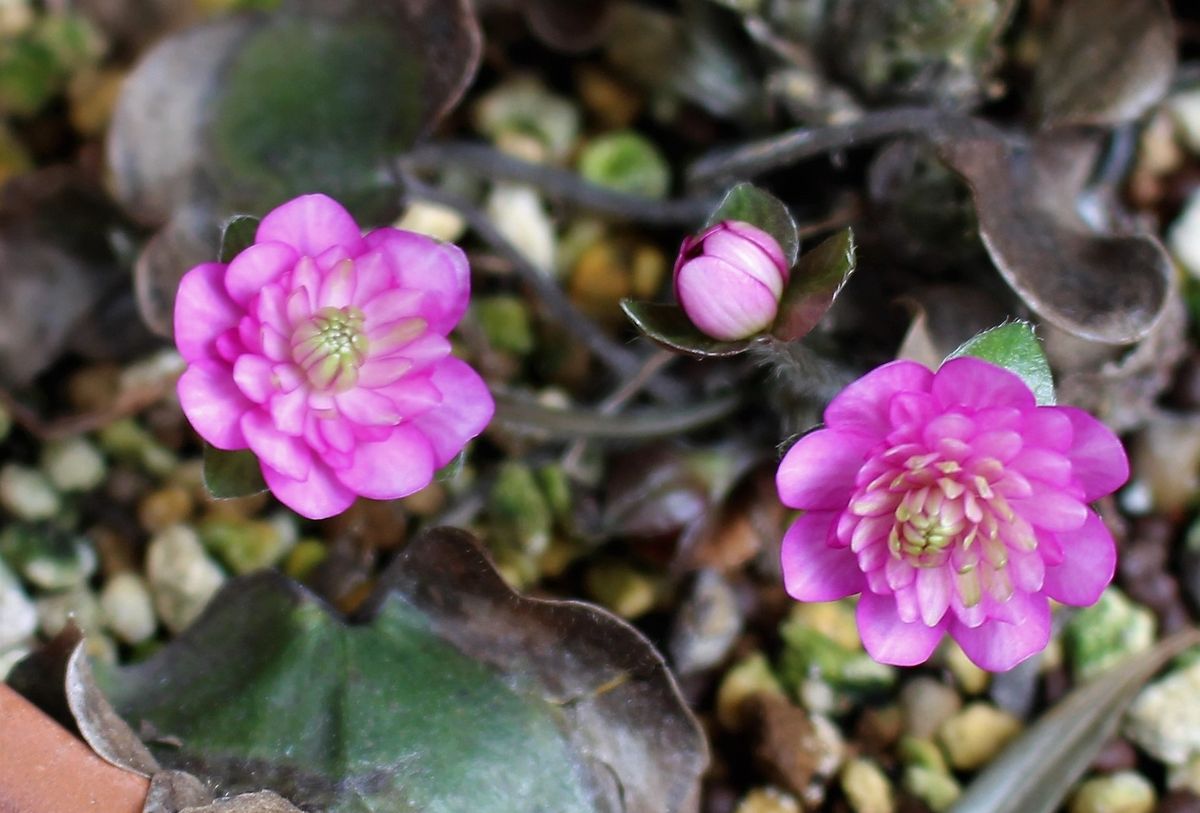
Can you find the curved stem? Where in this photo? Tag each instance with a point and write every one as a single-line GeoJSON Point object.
{"type": "Point", "coordinates": [527, 417]}
{"type": "Point", "coordinates": [793, 146]}
{"type": "Point", "coordinates": [558, 184]}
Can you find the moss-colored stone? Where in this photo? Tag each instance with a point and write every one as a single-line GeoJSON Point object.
{"type": "Point", "coordinates": [1107, 632]}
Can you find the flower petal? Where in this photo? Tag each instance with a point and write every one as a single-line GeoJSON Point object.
{"type": "Point", "coordinates": [423, 264]}
{"type": "Point", "coordinates": [203, 311]}
{"type": "Point", "coordinates": [724, 301]}
{"type": "Point", "coordinates": [967, 381]}
{"type": "Point", "coordinates": [256, 267]}
{"type": "Point", "coordinates": [933, 593]}
{"type": "Point", "coordinates": [466, 409]}
{"type": "Point", "coordinates": [863, 405]}
{"type": "Point", "coordinates": [412, 395]}
{"type": "Point", "coordinates": [255, 377]}
{"type": "Point", "coordinates": [818, 471]}
{"type": "Point", "coordinates": [288, 410]}
{"type": "Point", "coordinates": [395, 467]}
{"type": "Point", "coordinates": [1088, 563]}
{"type": "Point", "coordinates": [888, 639]}
{"type": "Point", "coordinates": [310, 224]}
{"type": "Point", "coordinates": [213, 404]}
{"type": "Point", "coordinates": [318, 496]}
{"type": "Point", "coordinates": [367, 407]}
{"type": "Point", "coordinates": [814, 571]}
{"type": "Point", "coordinates": [1097, 457]}
{"type": "Point", "coordinates": [288, 455]}
{"type": "Point", "coordinates": [998, 646]}
{"type": "Point", "coordinates": [1052, 509]}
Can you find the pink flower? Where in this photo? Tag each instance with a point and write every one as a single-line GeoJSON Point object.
{"type": "Point", "coordinates": [324, 352]}
{"type": "Point", "coordinates": [729, 279]}
{"type": "Point", "coordinates": [955, 505]}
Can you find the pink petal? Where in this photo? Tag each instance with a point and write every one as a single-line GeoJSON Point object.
{"type": "Point", "coordinates": [299, 307]}
{"type": "Point", "coordinates": [203, 311]}
{"type": "Point", "coordinates": [337, 434]}
{"type": "Point", "coordinates": [421, 263]}
{"type": "Point", "coordinates": [749, 257]}
{"type": "Point", "coordinates": [465, 411]}
{"type": "Point", "coordinates": [272, 310]}
{"type": "Point", "coordinates": [318, 496]}
{"type": "Point", "coordinates": [395, 305]}
{"type": "Point", "coordinates": [967, 381]}
{"type": "Point", "coordinates": [724, 301]}
{"type": "Point", "coordinates": [412, 396]}
{"type": "Point", "coordinates": [933, 593]}
{"type": "Point", "coordinates": [888, 639]}
{"type": "Point", "coordinates": [379, 372]}
{"type": "Point", "coordinates": [337, 289]}
{"type": "Point", "coordinates": [818, 471]}
{"type": "Point", "coordinates": [998, 646]}
{"type": "Point", "coordinates": [1048, 427]}
{"type": "Point", "coordinates": [255, 378]}
{"type": "Point", "coordinates": [863, 405]}
{"type": "Point", "coordinates": [256, 267]}
{"type": "Point", "coordinates": [286, 454]}
{"type": "Point", "coordinates": [769, 245]}
{"type": "Point", "coordinates": [422, 352]}
{"type": "Point", "coordinates": [906, 408]}
{"type": "Point", "coordinates": [213, 404]}
{"type": "Point", "coordinates": [373, 278]}
{"type": "Point", "coordinates": [1052, 509]}
{"type": "Point", "coordinates": [812, 570]}
{"type": "Point", "coordinates": [289, 409]}
{"type": "Point", "coordinates": [310, 224]}
{"type": "Point", "coordinates": [1088, 562]}
{"type": "Point", "coordinates": [1042, 464]}
{"type": "Point", "coordinates": [1097, 457]}
{"type": "Point", "coordinates": [401, 464]}
{"type": "Point", "coordinates": [367, 407]}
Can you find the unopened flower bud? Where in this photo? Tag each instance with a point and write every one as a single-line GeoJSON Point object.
{"type": "Point", "coordinates": [729, 279]}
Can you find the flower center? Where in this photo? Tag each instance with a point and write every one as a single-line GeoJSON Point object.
{"type": "Point", "coordinates": [330, 346]}
{"type": "Point", "coordinates": [944, 508]}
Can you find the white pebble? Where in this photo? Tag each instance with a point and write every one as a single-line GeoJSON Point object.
{"type": "Point", "coordinates": [73, 465]}
{"type": "Point", "coordinates": [127, 608]}
{"type": "Point", "coordinates": [182, 576]}
{"type": "Point", "coordinates": [26, 493]}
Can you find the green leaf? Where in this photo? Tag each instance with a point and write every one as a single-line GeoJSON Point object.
{"type": "Point", "coordinates": [814, 285]}
{"type": "Point", "coordinates": [670, 327]}
{"type": "Point", "coordinates": [237, 235]}
{"type": "Point", "coordinates": [456, 695]}
{"type": "Point", "coordinates": [232, 474]}
{"type": "Point", "coordinates": [314, 105]}
{"type": "Point", "coordinates": [1015, 347]}
{"type": "Point", "coordinates": [1035, 772]}
{"type": "Point", "coordinates": [748, 203]}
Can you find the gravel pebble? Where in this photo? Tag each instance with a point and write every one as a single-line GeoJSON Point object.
{"type": "Point", "coordinates": [127, 608]}
{"type": "Point", "coordinates": [26, 493]}
{"type": "Point", "coordinates": [182, 576]}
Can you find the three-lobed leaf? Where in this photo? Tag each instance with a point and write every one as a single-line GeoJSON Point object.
{"type": "Point", "coordinates": [456, 695]}
{"type": "Point", "coordinates": [1016, 348]}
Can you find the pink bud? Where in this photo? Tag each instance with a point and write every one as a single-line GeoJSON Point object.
{"type": "Point", "coordinates": [729, 280]}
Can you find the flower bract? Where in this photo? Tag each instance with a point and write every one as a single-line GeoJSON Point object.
{"type": "Point", "coordinates": [955, 505]}
{"type": "Point", "coordinates": [324, 351]}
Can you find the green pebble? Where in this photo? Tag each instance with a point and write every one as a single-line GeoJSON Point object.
{"type": "Point", "coordinates": [244, 545]}
{"type": "Point", "coordinates": [626, 162]}
{"type": "Point", "coordinates": [304, 557]}
{"type": "Point", "coordinates": [520, 517]}
{"type": "Point", "coordinates": [936, 789]}
{"type": "Point", "coordinates": [824, 672]}
{"type": "Point", "coordinates": [49, 557]}
{"type": "Point", "coordinates": [505, 323]}
{"type": "Point", "coordinates": [625, 590]}
{"type": "Point", "coordinates": [1104, 634]}
{"type": "Point", "coordinates": [1123, 792]}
